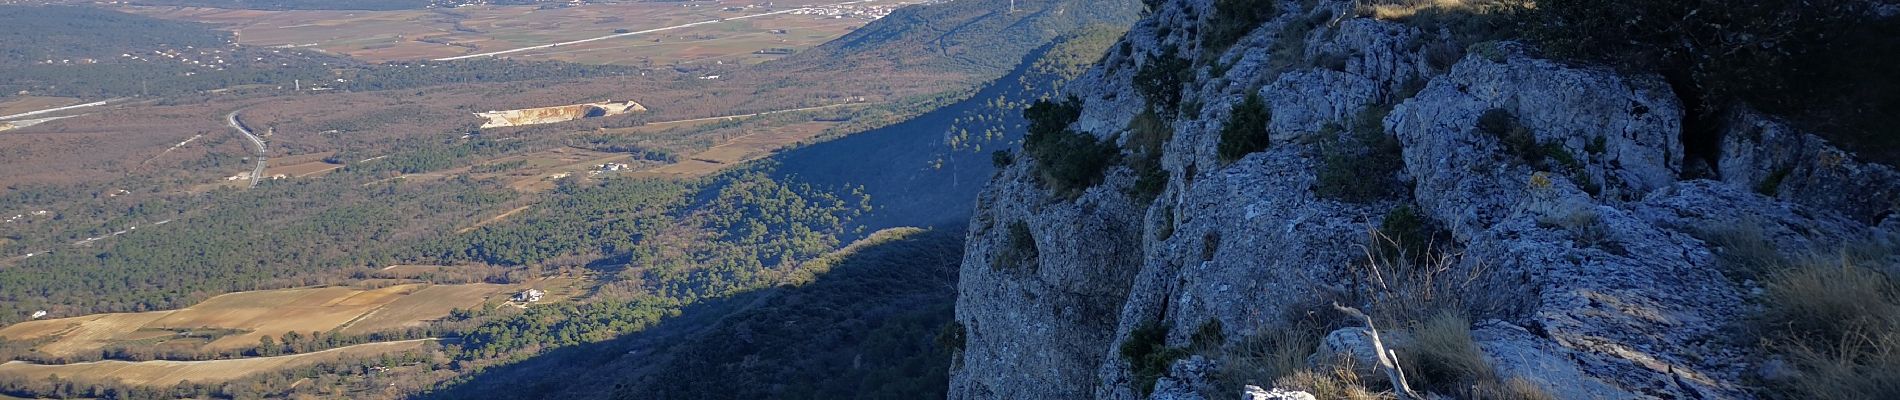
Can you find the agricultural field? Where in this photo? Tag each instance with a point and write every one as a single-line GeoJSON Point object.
{"type": "Point", "coordinates": [238, 321]}
{"type": "Point", "coordinates": [301, 166]}
{"type": "Point", "coordinates": [25, 104]}
{"type": "Point", "coordinates": [167, 373]}
{"type": "Point", "coordinates": [732, 31]}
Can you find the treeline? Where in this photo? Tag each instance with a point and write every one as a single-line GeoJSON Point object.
{"type": "Point", "coordinates": [867, 326]}
{"type": "Point", "coordinates": [522, 334]}
{"type": "Point", "coordinates": [997, 121]}
{"type": "Point", "coordinates": [677, 240]}
{"type": "Point", "coordinates": [38, 33]}
{"type": "Point", "coordinates": [330, 379]}
{"type": "Point", "coordinates": [428, 154]}
{"type": "Point", "coordinates": [583, 222]}
{"type": "Point", "coordinates": [407, 75]}
{"type": "Point", "coordinates": [282, 234]}
{"type": "Point", "coordinates": [869, 329]}
{"type": "Point", "coordinates": [750, 233]}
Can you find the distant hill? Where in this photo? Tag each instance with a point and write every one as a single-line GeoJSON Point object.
{"type": "Point", "coordinates": [982, 37]}
{"type": "Point", "coordinates": [927, 171]}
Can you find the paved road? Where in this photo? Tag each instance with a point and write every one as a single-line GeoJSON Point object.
{"type": "Point", "coordinates": [256, 142]}
{"type": "Point", "coordinates": [53, 110]}
{"type": "Point", "coordinates": [620, 35]}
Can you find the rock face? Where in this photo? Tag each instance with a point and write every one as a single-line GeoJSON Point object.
{"type": "Point", "coordinates": [1562, 186]}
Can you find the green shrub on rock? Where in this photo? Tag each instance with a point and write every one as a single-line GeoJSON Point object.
{"type": "Point", "coordinates": [1246, 130]}
{"type": "Point", "coordinates": [1069, 161]}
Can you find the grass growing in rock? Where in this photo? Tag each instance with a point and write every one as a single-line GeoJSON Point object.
{"type": "Point", "coordinates": [1269, 356]}
{"type": "Point", "coordinates": [1838, 325]}
{"type": "Point", "coordinates": [1019, 249]}
{"type": "Point", "coordinates": [1743, 251]}
{"type": "Point", "coordinates": [1148, 133]}
{"type": "Point", "coordinates": [1149, 356]}
{"type": "Point", "coordinates": [1442, 354]}
{"type": "Point", "coordinates": [1361, 164]}
{"type": "Point", "coordinates": [1161, 79]}
{"type": "Point", "coordinates": [1068, 161]}
{"type": "Point", "coordinates": [1518, 140]}
{"type": "Point", "coordinates": [1232, 20]}
{"type": "Point", "coordinates": [1246, 129]}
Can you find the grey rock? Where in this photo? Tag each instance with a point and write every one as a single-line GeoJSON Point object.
{"type": "Point", "coordinates": [1256, 393]}
{"type": "Point", "coordinates": [1187, 379]}
{"type": "Point", "coordinates": [1349, 347]}
{"type": "Point", "coordinates": [1765, 154]}
{"type": "Point", "coordinates": [1516, 353]}
{"type": "Point", "coordinates": [1777, 370]}
{"type": "Point", "coordinates": [1594, 279]}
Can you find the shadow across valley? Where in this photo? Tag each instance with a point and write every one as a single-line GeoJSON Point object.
{"type": "Point", "coordinates": [868, 329]}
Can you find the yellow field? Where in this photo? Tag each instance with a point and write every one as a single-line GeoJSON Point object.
{"type": "Point", "coordinates": [168, 373]}
{"type": "Point", "coordinates": [252, 315]}
{"type": "Point", "coordinates": [301, 166]}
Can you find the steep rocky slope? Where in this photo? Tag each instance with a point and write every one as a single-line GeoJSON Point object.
{"type": "Point", "coordinates": [1581, 245]}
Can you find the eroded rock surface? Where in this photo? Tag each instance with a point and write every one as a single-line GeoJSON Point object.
{"type": "Point", "coordinates": [1593, 242]}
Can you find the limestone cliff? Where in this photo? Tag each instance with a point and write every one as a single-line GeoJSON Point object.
{"type": "Point", "coordinates": [1581, 233]}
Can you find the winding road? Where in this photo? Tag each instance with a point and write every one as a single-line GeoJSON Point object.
{"type": "Point", "coordinates": [256, 142]}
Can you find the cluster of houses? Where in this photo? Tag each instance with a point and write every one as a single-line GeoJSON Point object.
{"type": "Point", "coordinates": [610, 167]}
{"type": "Point", "coordinates": [23, 216]}
{"type": "Point", "coordinates": [841, 11]}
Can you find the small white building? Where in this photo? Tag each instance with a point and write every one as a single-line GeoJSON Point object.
{"type": "Point", "coordinates": [530, 296]}
{"type": "Point", "coordinates": [39, 314]}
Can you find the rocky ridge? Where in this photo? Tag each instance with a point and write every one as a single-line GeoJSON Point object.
{"type": "Point", "coordinates": [1595, 258]}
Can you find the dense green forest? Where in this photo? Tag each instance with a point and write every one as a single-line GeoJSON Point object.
{"type": "Point", "coordinates": [868, 329]}
{"type": "Point", "coordinates": [288, 233]}
{"type": "Point", "coordinates": [735, 231]}
{"type": "Point", "coordinates": [32, 34]}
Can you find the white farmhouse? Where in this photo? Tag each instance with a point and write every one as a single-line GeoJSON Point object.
{"type": "Point", "coordinates": [529, 296]}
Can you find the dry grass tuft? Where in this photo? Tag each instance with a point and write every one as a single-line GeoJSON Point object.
{"type": "Point", "coordinates": [1866, 367]}
{"type": "Point", "coordinates": [1339, 383]}
{"type": "Point", "coordinates": [1742, 248]}
{"type": "Point", "coordinates": [1269, 356]}
{"type": "Point", "coordinates": [1401, 286]}
{"type": "Point", "coordinates": [1838, 325]}
{"type": "Point", "coordinates": [1829, 303]}
{"type": "Point", "coordinates": [1513, 389]}
{"type": "Point", "coordinates": [1442, 354]}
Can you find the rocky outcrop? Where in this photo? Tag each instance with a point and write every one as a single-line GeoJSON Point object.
{"type": "Point", "coordinates": [1561, 185]}
{"type": "Point", "coordinates": [549, 115]}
